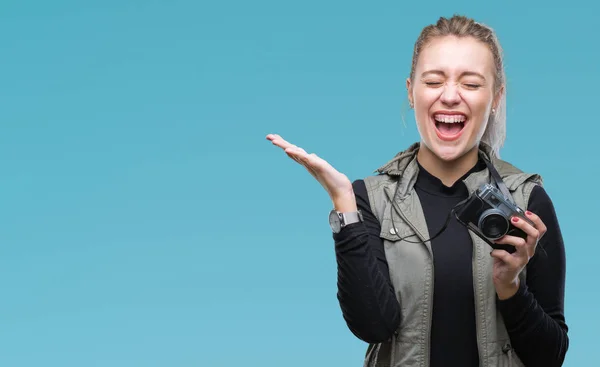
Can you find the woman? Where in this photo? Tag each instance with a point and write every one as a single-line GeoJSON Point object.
{"type": "Point", "coordinates": [426, 292]}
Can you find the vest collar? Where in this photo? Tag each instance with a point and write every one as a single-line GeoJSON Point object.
{"type": "Point", "coordinates": [405, 160]}
{"type": "Point", "coordinates": [404, 165]}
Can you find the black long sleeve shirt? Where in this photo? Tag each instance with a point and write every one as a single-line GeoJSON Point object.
{"type": "Point", "coordinates": [534, 316]}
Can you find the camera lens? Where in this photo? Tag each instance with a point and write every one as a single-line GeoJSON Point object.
{"type": "Point", "coordinates": [493, 225]}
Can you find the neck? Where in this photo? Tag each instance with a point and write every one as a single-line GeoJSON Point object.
{"type": "Point", "coordinates": [447, 171]}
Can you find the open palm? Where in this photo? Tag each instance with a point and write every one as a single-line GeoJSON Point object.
{"type": "Point", "coordinates": [334, 182]}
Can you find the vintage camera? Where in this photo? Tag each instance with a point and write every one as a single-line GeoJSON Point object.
{"type": "Point", "coordinates": [488, 213]}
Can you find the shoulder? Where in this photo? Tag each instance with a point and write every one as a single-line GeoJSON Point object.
{"type": "Point", "coordinates": [369, 193]}
{"type": "Point", "coordinates": [374, 181]}
{"type": "Point", "coordinates": [375, 186]}
{"type": "Point", "coordinates": [514, 177]}
{"type": "Point", "coordinates": [364, 188]}
{"type": "Point", "coordinates": [360, 189]}
{"type": "Point", "coordinates": [540, 199]}
{"type": "Point", "coordinates": [542, 205]}
{"type": "Point", "coordinates": [539, 194]}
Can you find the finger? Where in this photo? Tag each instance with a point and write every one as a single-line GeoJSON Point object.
{"type": "Point", "coordinates": [519, 243]}
{"type": "Point", "coordinates": [308, 159]}
{"type": "Point", "coordinates": [296, 152]}
{"type": "Point", "coordinates": [279, 141]}
{"type": "Point", "coordinates": [530, 230]}
{"type": "Point", "coordinates": [533, 235]}
{"type": "Point", "coordinates": [300, 156]}
{"type": "Point", "coordinates": [317, 163]}
{"type": "Point", "coordinates": [273, 136]}
{"type": "Point", "coordinates": [537, 221]}
{"type": "Point", "coordinates": [506, 258]}
{"type": "Point", "coordinates": [282, 143]}
{"type": "Point", "coordinates": [295, 156]}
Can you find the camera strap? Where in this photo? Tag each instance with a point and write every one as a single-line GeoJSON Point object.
{"type": "Point", "coordinates": [498, 180]}
{"type": "Point", "coordinates": [495, 177]}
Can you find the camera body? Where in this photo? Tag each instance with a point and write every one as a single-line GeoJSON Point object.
{"type": "Point", "coordinates": [488, 213]}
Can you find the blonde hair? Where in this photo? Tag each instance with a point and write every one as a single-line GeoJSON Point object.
{"type": "Point", "coordinates": [461, 26]}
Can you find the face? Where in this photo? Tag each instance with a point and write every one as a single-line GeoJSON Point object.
{"type": "Point", "coordinates": [453, 95]}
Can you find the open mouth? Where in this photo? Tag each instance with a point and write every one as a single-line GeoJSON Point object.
{"type": "Point", "coordinates": [449, 126]}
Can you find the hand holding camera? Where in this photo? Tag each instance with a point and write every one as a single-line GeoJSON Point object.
{"type": "Point", "coordinates": [512, 233]}
{"type": "Point", "coordinates": [508, 266]}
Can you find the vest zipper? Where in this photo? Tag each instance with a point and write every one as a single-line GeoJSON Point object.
{"type": "Point", "coordinates": [430, 300]}
{"type": "Point", "coordinates": [478, 305]}
{"type": "Point", "coordinates": [507, 349]}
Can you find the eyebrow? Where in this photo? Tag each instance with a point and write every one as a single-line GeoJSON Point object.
{"type": "Point", "coordinates": [440, 72]}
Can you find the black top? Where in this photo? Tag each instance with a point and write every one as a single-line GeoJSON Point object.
{"type": "Point", "coordinates": [534, 316]}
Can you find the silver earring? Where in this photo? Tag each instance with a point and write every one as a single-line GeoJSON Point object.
{"type": "Point", "coordinates": [493, 111]}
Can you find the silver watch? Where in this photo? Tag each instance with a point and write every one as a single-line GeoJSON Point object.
{"type": "Point", "coordinates": [338, 220]}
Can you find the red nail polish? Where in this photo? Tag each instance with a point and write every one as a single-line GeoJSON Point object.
{"type": "Point", "coordinates": [528, 212]}
{"type": "Point", "coordinates": [515, 219]}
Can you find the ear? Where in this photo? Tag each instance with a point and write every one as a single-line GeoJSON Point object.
{"type": "Point", "coordinates": [498, 98]}
{"type": "Point", "coordinates": [410, 92]}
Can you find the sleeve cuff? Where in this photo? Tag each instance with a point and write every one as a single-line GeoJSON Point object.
{"type": "Point", "coordinates": [513, 308]}
{"type": "Point", "coordinates": [520, 292]}
{"type": "Point", "coordinates": [350, 231]}
{"type": "Point", "coordinates": [350, 236]}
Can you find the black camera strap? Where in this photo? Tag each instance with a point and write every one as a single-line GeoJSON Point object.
{"type": "Point", "coordinates": [498, 180]}
{"type": "Point", "coordinates": [495, 177]}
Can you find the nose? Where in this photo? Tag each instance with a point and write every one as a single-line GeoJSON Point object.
{"type": "Point", "coordinates": [450, 95]}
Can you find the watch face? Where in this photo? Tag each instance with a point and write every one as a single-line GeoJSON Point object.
{"type": "Point", "coordinates": [334, 221]}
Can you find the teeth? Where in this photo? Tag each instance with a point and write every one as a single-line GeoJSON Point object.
{"type": "Point", "coordinates": [449, 119]}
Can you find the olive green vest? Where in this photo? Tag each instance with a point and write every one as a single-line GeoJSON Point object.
{"type": "Point", "coordinates": [411, 264]}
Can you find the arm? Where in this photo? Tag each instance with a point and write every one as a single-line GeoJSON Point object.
{"type": "Point", "coordinates": [366, 295]}
{"type": "Point", "coordinates": [534, 316]}
{"type": "Point", "coordinates": [365, 292]}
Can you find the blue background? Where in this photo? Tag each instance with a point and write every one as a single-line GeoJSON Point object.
{"type": "Point", "coordinates": [145, 219]}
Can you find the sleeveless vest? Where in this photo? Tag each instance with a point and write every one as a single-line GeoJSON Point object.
{"type": "Point", "coordinates": [411, 264]}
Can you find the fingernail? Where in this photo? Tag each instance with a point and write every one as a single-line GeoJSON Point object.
{"type": "Point", "coordinates": [515, 219]}
{"type": "Point", "coordinates": [528, 212]}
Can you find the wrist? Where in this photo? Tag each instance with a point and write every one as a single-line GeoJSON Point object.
{"type": "Point", "coordinates": [506, 291]}
{"type": "Point", "coordinates": [345, 201]}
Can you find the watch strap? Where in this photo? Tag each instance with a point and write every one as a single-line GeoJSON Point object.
{"type": "Point", "coordinates": [350, 218]}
